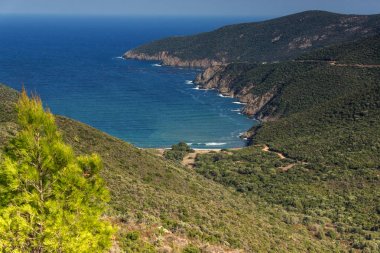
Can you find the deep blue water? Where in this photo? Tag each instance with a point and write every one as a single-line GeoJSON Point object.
{"type": "Point", "coordinates": [73, 64]}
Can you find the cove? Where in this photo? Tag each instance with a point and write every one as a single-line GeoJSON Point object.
{"type": "Point", "coordinates": [74, 64]}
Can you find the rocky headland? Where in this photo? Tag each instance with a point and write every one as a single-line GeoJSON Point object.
{"type": "Point", "coordinates": [169, 60]}
{"type": "Point", "coordinates": [215, 77]}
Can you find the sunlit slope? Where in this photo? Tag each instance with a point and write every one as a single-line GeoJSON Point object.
{"type": "Point", "coordinates": [149, 189]}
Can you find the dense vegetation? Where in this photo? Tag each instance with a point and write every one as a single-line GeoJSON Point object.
{"type": "Point", "coordinates": [364, 51]}
{"type": "Point", "coordinates": [327, 122]}
{"type": "Point", "coordinates": [331, 201]}
{"type": "Point", "coordinates": [328, 113]}
{"type": "Point", "coordinates": [320, 195]}
{"type": "Point", "coordinates": [146, 189]}
{"type": "Point", "coordinates": [50, 200]}
{"type": "Point", "coordinates": [178, 152]}
{"type": "Point", "coordinates": [278, 39]}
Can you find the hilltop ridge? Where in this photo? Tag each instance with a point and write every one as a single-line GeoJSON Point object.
{"type": "Point", "coordinates": [277, 39]}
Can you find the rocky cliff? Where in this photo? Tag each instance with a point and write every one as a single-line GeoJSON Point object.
{"type": "Point", "coordinates": [170, 60]}
{"type": "Point", "coordinates": [218, 78]}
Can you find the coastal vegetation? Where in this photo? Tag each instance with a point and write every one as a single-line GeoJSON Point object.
{"type": "Point", "coordinates": [308, 182]}
{"type": "Point", "coordinates": [178, 152]}
{"type": "Point", "coordinates": [154, 192]}
{"type": "Point", "coordinates": [364, 51]}
{"type": "Point", "coordinates": [315, 155]}
{"type": "Point", "coordinates": [50, 199]}
{"type": "Point", "coordinates": [277, 39]}
{"type": "Point", "coordinates": [324, 120]}
{"type": "Point", "coordinates": [331, 202]}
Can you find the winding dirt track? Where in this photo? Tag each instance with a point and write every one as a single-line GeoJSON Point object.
{"type": "Point", "coordinates": [189, 159]}
{"type": "Point", "coordinates": [267, 149]}
{"type": "Point", "coordinates": [334, 63]}
{"type": "Point", "coordinates": [281, 156]}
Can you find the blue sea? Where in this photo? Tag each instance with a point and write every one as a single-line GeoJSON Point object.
{"type": "Point", "coordinates": [73, 63]}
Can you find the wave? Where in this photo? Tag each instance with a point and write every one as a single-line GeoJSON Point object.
{"type": "Point", "coordinates": [223, 96]}
{"type": "Point", "coordinates": [189, 82]}
{"type": "Point", "coordinates": [197, 88]}
{"type": "Point", "coordinates": [235, 110]}
{"type": "Point", "coordinates": [119, 57]}
{"type": "Point", "coordinates": [156, 65]}
{"type": "Point", "coordinates": [207, 144]}
{"type": "Point", "coordinates": [215, 143]}
{"type": "Point", "coordinates": [241, 136]}
{"type": "Point", "coordinates": [189, 143]}
{"type": "Point", "coordinates": [239, 103]}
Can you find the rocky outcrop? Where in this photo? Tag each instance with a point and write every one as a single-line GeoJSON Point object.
{"type": "Point", "coordinates": [255, 104]}
{"type": "Point", "coordinates": [216, 78]}
{"type": "Point", "coordinates": [170, 60]}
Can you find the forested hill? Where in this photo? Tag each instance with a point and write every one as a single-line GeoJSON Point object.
{"type": "Point", "coordinates": [277, 39]}
{"type": "Point", "coordinates": [276, 90]}
{"type": "Point", "coordinates": [364, 51]}
{"type": "Point", "coordinates": [323, 113]}
{"type": "Point", "coordinates": [160, 206]}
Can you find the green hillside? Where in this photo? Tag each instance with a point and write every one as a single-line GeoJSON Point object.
{"type": "Point", "coordinates": [319, 111]}
{"type": "Point", "coordinates": [325, 118]}
{"type": "Point", "coordinates": [364, 51]}
{"type": "Point", "coordinates": [277, 39]}
{"type": "Point", "coordinates": [146, 189]}
{"type": "Point", "coordinates": [316, 188]}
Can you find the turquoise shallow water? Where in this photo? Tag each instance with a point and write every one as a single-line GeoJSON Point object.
{"type": "Point", "coordinates": [73, 63]}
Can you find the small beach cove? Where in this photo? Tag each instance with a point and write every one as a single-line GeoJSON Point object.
{"type": "Point", "coordinates": [189, 159]}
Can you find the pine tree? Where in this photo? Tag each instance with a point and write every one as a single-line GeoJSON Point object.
{"type": "Point", "coordinates": [50, 199]}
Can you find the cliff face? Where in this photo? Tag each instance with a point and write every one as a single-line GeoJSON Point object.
{"type": "Point", "coordinates": [170, 60]}
{"type": "Point", "coordinates": [216, 78]}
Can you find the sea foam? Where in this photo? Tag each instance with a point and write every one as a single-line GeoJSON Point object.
{"type": "Point", "coordinates": [239, 103]}
{"type": "Point", "coordinates": [223, 96]}
{"type": "Point", "coordinates": [215, 143]}
{"type": "Point", "coordinates": [156, 65]}
{"type": "Point", "coordinates": [198, 88]}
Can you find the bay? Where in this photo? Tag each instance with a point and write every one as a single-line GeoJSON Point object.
{"type": "Point", "coordinates": [73, 63]}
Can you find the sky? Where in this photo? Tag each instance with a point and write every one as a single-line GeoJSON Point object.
{"type": "Point", "coordinates": [254, 8]}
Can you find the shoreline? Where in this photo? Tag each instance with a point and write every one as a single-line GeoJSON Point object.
{"type": "Point", "coordinates": [189, 159]}
{"type": "Point", "coordinates": [199, 85]}
{"type": "Point", "coordinates": [195, 149]}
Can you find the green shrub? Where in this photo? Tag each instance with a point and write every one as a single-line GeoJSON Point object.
{"type": "Point", "coordinates": [178, 152]}
{"type": "Point", "coordinates": [132, 243]}
{"type": "Point", "coordinates": [191, 249]}
{"type": "Point", "coordinates": [331, 233]}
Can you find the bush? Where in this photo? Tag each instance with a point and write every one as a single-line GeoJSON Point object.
{"type": "Point", "coordinates": [191, 249]}
{"type": "Point", "coordinates": [132, 243]}
{"type": "Point", "coordinates": [332, 234]}
{"type": "Point", "coordinates": [178, 152]}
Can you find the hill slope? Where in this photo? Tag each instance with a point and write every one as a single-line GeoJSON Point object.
{"type": "Point", "coordinates": [311, 90]}
{"type": "Point", "coordinates": [321, 112]}
{"type": "Point", "coordinates": [273, 40]}
{"type": "Point", "coordinates": [153, 191]}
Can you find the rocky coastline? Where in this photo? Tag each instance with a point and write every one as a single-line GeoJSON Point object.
{"type": "Point", "coordinates": [215, 78]}
{"type": "Point", "coordinates": [170, 60]}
